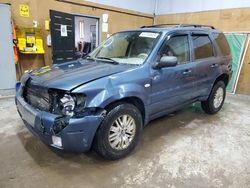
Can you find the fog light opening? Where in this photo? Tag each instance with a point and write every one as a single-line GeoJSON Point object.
{"type": "Point", "coordinates": [57, 141]}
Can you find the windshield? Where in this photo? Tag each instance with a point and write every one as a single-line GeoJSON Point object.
{"type": "Point", "coordinates": [131, 47]}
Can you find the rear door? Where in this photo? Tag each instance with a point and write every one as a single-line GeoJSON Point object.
{"type": "Point", "coordinates": [207, 62]}
{"type": "Point", "coordinates": [62, 36]}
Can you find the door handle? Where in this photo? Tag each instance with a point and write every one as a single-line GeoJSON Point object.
{"type": "Point", "coordinates": [186, 72]}
{"type": "Point", "coordinates": [214, 65]}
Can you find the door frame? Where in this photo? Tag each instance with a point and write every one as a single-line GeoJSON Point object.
{"type": "Point", "coordinates": [98, 18]}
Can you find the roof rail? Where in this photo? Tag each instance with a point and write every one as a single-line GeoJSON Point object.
{"type": "Point", "coordinates": [159, 25]}
{"type": "Point", "coordinates": [179, 25]}
{"type": "Point", "coordinates": [196, 25]}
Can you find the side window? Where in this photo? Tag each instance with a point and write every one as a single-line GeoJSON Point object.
{"type": "Point", "coordinates": [220, 39]}
{"type": "Point", "coordinates": [203, 47]}
{"type": "Point", "coordinates": [177, 46]}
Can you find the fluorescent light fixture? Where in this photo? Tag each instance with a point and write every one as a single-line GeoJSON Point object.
{"type": "Point", "coordinates": [81, 27]}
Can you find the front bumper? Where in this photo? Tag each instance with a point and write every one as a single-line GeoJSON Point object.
{"type": "Point", "coordinates": [77, 136]}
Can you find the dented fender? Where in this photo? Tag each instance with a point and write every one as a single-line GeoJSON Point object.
{"type": "Point", "coordinates": [106, 92]}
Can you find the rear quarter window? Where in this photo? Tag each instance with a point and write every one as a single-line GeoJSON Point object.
{"type": "Point", "coordinates": [222, 43]}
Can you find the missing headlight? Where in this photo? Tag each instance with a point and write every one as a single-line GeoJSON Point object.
{"type": "Point", "coordinates": [80, 103]}
{"type": "Point", "coordinates": [68, 105]}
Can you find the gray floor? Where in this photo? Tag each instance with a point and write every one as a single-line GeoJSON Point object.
{"type": "Point", "coordinates": [186, 149]}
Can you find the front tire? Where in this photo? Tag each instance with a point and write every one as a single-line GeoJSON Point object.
{"type": "Point", "coordinates": [216, 98]}
{"type": "Point", "coordinates": [119, 132]}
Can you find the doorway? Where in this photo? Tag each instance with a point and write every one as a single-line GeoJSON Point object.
{"type": "Point", "coordinates": [73, 36]}
{"type": "Point", "coordinates": [86, 35]}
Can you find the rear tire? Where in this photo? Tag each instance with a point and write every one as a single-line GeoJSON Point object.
{"type": "Point", "coordinates": [119, 132]}
{"type": "Point", "coordinates": [216, 98]}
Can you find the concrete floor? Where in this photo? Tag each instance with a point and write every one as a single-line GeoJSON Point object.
{"type": "Point", "coordinates": [187, 149]}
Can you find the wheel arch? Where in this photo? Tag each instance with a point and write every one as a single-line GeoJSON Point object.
{"type": "Point", "coordinates": [223, 77]}
{"type": "Point", "coordinates": [136, 101]}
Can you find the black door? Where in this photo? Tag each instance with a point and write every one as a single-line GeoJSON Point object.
{"type": "Point", "coordinates": [62, 36]}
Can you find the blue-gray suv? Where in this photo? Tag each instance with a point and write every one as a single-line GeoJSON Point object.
{"type": "Point", "coordinates": [104, 100]}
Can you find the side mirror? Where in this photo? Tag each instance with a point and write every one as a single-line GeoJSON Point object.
{"type": "Point", "coordinates": [166, 61]}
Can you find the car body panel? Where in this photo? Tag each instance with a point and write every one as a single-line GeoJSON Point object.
{"type": "Point", "coordinates": [172, 86]}
{"type": "Point", "coordinates": [72, 74]}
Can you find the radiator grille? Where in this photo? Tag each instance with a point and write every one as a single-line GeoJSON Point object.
{"type": "Point", "coordinates": [36, 96]}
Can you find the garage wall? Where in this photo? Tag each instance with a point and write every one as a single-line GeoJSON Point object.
{"type": "Point", "coordinates": [119, 19]}
{"type": "Point", "coordinates": [230, 20]}
{"type": "Point", "coordinates": [145, 6]}
{"type": "Point", "coordinates": [180, 6]}
{"type": "Point", "coordinates": [243, 86]}
{"type": "Point", "coordinates": [225, 20]}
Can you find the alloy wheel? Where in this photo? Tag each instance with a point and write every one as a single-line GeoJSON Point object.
{"type": "Point", "coordinates": [218, 97]}
{"type": "Point", "coordinates": [122, 132]}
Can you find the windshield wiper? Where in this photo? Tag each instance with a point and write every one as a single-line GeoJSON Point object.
{"type": "Point", "coordinates": [88, 57]}
{"type": "Point", "coordinates": [109, 60]}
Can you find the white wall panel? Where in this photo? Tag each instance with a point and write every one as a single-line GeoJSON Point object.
{"type": "Point", "coordinates": [7, 65]}
{"type": "Point", "coordinates": [184, 6]}
{"type": "Point", "coordinates": [144, 6]}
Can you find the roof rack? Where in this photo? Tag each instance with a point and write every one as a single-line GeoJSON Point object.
{"type": "Point", "coordinates": [196, 25]}
{"type": "Point", "coordinates": [159, 25]}
{"type": "Point", "coordinates": [180, 25]}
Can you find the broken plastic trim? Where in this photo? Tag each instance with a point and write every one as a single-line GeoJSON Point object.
{"type": "Point", "coordinates": [59, 124]}
{"type": "Point", "coordinates": [63, 121]}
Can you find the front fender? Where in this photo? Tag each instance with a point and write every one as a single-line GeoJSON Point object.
{"type": "Point", "coordinates": [102, 92]}
{"type": "Point", "coordinates": [105, 97]}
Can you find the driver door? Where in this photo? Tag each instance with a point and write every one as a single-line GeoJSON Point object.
{"type": "Point", "coordinates": [173, 87]}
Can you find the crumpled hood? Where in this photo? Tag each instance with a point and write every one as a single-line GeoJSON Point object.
{"type": "Point", "coordinates": [69, 75]}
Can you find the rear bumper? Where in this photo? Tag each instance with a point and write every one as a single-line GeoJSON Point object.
{"type": "Point", "coordinates": [77, 136]}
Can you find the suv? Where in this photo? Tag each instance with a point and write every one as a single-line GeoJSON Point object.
{"type": "Point", "coordinates": [104, 100]}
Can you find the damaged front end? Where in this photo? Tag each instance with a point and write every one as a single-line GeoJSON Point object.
{"type": "Point", "coordinates": [60, 118]}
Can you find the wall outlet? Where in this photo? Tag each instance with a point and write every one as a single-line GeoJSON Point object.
{"type": "Point", "coordinates": [35, 23]}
